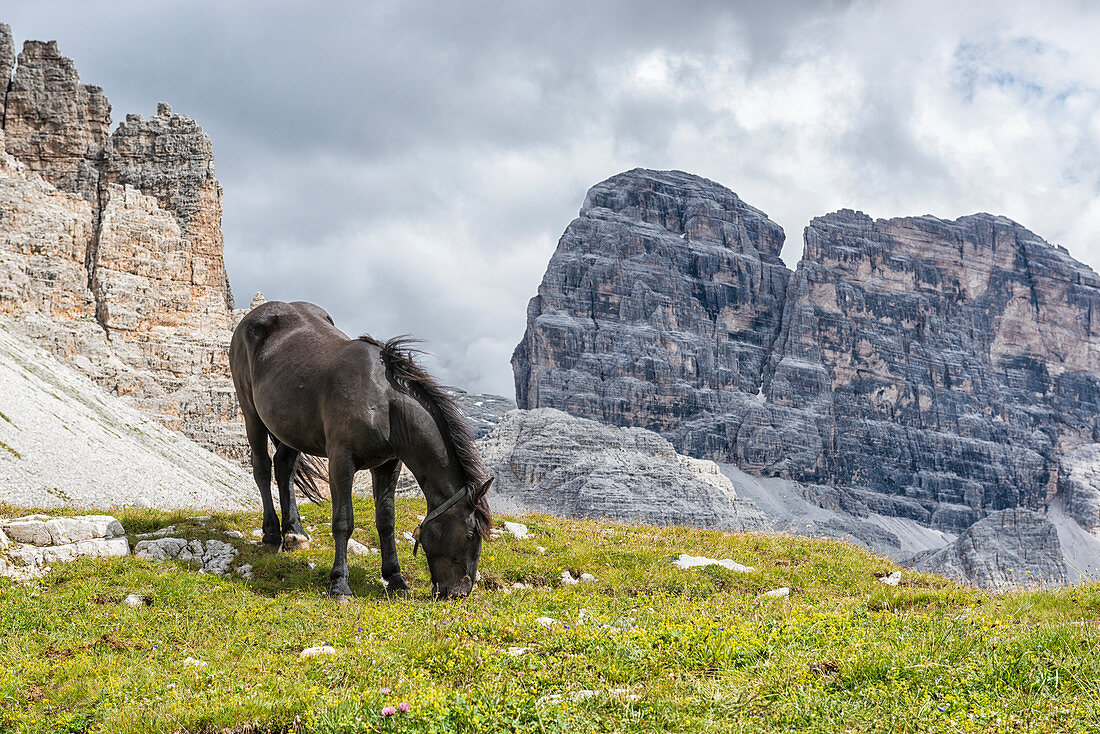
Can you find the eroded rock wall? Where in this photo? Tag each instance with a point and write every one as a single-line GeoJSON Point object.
{"type": "Point", "coordinates": [926, 369]}
{"type": "Point", "coordinates": [111, 250]}
{"type": "Point", "coordinates": [658, 308]}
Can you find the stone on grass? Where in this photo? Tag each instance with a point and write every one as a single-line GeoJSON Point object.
{"type": "Point", "coordinates": [312, 652]}
{"type": "Point", "coordinates": [133, 600]}
{"type": "Point", "coordinates": [157, 533]}
{"type": "Point", "coordinates": [194, 662]}
{"type": "Point", "coordinates": [358, 549]}
{"type": "Point", "coordinates": [234, 533]}
{"type": "Point", "coordinates": [214, 557]}
{"type": "Point", "coordinates": [517, 529]}
{"type": "Point", "coordinates": [567, 579]}
{"type": "Point", "coordinates": [685, 562]}
{"type": "Point", "coordinates": [780, 593]}
{"type": "Point", "coordinates": [245, 570]}
{"type": "Point", "coordinates": [546, 622]}
{"type": "Point", "coordinates": [891, 580]}
{"type": "Point", "coordinates": [44, 530]}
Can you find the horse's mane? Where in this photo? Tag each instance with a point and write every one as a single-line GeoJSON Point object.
{"type": "Point", "coordinates": [410, 378]}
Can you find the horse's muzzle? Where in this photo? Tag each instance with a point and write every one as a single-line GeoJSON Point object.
{"type": "Point", "coordinates": [458, 590]}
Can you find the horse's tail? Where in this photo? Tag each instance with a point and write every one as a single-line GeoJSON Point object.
{"type": "Point", "coordinates": [308, 471]}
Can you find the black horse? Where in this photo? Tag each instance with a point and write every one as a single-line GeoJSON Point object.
{"type": "Point", "coordinates": [363, 404]}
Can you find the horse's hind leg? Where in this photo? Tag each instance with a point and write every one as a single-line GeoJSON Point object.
{"type": "Point", "coordinates": [341, 472]}
{"type": "Point", "coordinates": [385, 482]}
{"type": "Point", "coordinates": [286, 461]}
{"type": "Point", "coordinates": [261, 472]}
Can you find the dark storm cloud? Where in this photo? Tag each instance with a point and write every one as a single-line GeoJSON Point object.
{"type": "Point", "coordinates": [411, 165]}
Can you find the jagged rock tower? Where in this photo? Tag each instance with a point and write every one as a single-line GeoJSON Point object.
{"type": "Point", "coordinates": [111, 244]}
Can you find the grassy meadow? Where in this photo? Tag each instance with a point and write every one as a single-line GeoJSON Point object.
{"type": "Point", "coordinates": [646, 647]}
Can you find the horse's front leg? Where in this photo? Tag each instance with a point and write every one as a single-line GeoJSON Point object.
{"type": "Point", "coordinates": [286, 461]}
{"type": "Point", "coordinates": [385, 482]}
{"type": "Point", "coordinates": [341, 472]}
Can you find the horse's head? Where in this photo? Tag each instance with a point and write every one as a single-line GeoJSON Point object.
{"type": "Point", "coordinates": [452, 543]}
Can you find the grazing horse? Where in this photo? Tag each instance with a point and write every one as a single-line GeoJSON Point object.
{"type": "Point", "coordinates": [363, 404]}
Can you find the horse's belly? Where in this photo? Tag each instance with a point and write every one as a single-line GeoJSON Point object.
{"type": "Point", "coordinates": [293, 421]}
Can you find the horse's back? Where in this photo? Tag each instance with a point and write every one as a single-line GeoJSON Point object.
{"type": "Point", "coordinates": [293, 368]}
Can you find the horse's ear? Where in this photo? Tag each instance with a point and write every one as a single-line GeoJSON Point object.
{"type": "Point", "coordinates": [479, 493]}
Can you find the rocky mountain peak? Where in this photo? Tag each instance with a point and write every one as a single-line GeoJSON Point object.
{"type": "Point", "coordinates": [684, 204]}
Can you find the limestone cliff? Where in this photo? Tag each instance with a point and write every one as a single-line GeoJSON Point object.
{"type": "Point", "coordinates": [111, 244]}
{"type": "Point", "coordinates": [916, 368]}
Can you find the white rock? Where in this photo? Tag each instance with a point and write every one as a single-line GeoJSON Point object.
{"type": "Point", "coordinates": [245, 570]}
{"type": "Point", "coordinates": [234, 533]}
{"type": "Point", "coordinates": [586, 577]}
{"type": "Point", "coordinates": [3, 540]}
{"type": "Point", "coordinates": [517, 651]}
{"type": "Point", "coordinates": [133, 600]}
{"type": "Point", "coordinates": [161, 549]}
{"type": "Point", "coordinates": [517, 529]}
{"type": "Point", "coordinates": [257, 533]}
{"type": "Point", "coordinates": [685, 562]}
{"type": "Point", "coordinates": [892, 580]}
{"type": "Point", "coordinates": [567, 579]}
{"type": "Point", "coordinates": [157, 533]}
{"type": "Point", "coordinates": [779, 593]}
{"type": "Point", "coordinates": [194, 663]}
{"type": "Point", "coordinates": [30, 531]}
{"type": "Point", "coordinates": [521, 585]}
{"type": "Point", "coordinates": [358, 549]}
{"type": "Point", "coordinates": [541, 550]}
{"type": "Point", "coordinates": [92, 548]}
{"type": "Point", "coordinates": [408, 536]}
{"type": "Point", "coordinates": [312, 652]}
{"type": "Point", "coordinates": [215, 557]}
{"type": "Point", "coordinates": [545, 622]}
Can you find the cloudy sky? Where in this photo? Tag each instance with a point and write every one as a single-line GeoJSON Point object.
{"type": "Point", "coordinates": [410, 166]}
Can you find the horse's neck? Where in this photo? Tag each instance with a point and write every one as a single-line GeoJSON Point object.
{"type": "Point", "coordinates": [424, 450]}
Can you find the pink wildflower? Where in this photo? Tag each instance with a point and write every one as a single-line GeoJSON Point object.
{"type": "Point", "coordinates": [403, 707]}
{"type": "Point", "coordinates": [385, 691]}
{"type": "Point", "coordinates": [389, 711]}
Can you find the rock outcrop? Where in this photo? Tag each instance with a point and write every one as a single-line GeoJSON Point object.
{"type": "Point", "coordinates": [1008, 549]}
{"type": "Point", "coordinates": [111, 245]}
{"type": "Point", "coordinates": [30, 545]}
{"type": "Point", "coordinates": [920, 369]}
{"type": "Point", "coordinates": [548, 461]}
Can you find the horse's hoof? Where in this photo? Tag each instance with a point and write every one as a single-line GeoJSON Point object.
{"type": "Point", "coordinates": [342, 598]}
{"type": "Point", "coordinates": [272, 547]}
{"type": "Point", "coordinates": [294, 542]}
{"type": "Point", "coordinates": [396, 585]}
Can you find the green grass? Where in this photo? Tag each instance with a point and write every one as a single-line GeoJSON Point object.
{"type": "Point", "coordinates": [662, 649]}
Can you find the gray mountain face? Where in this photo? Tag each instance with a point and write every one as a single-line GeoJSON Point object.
{"type": "Point", "coordinates": [915, 368]}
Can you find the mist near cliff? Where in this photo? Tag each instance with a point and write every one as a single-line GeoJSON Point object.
{"type": "Point", "coordinates": [411, 166]}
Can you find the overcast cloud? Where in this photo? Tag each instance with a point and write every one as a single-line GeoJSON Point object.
{"type": "Point", "coordinates": [410, 166]}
